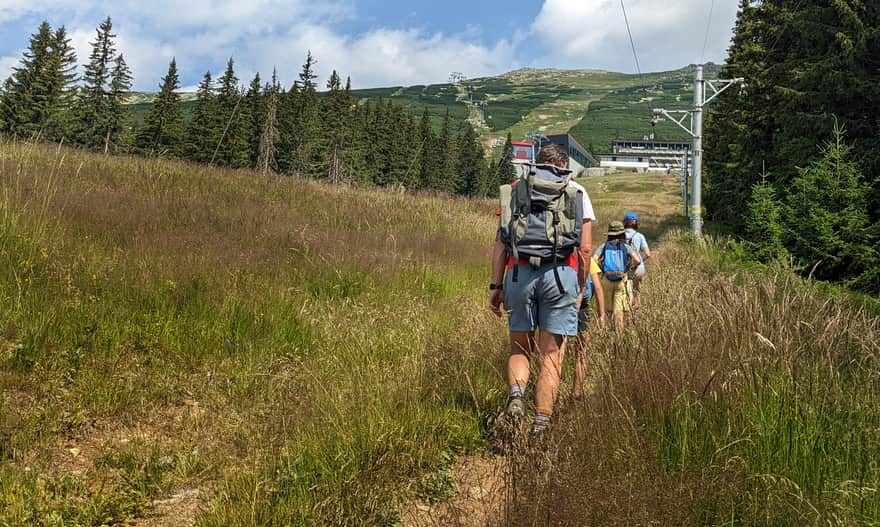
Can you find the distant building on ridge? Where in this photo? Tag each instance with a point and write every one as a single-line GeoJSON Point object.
{"type": "Point", "coordinates": [647, 155]}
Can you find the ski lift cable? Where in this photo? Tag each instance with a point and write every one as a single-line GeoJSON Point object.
{"type": "Point", "coordinates": [632, 42]}
{"type": "Point", "coordinates": [782, 32]}
{"type": "Point", "coordinates": [708, 27]}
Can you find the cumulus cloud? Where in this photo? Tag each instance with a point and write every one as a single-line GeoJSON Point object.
{"type": "Point", "coordinates": [380, 57]}
{"type": "Point", "coordinates": [667, 33]}
{"type": "Point", "coordinates": [262, 34]}
{"type": "Point", "coordinates": [15, 9]}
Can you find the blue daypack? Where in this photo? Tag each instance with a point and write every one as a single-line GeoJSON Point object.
{"type": "Point", "coordinates": [615, 260]}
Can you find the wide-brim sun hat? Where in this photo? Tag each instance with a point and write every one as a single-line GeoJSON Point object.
{"type": "Point", "coordinates": [615, 228]}
{"type": "Point", "coordinates": [630, 216]}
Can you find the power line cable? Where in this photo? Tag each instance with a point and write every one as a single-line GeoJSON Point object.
{"type": "Point", "coordinates": [631, 41]}
{"type": "Point", "coordinates": [708, 27]}
{"type": "Point", "coordinates": [772, 48]}
{"type": "Point", "coordinates": [784, 27]}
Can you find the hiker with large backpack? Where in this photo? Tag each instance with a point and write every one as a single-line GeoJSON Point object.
{"type": "Point", "coordinates": [539, 263]}
{"type": "Point", "coordinates": [638, 242]}
{"type": "Point", "coordinates": [592, 289]}
{"type": "Point", "coordinates": [616, 258]}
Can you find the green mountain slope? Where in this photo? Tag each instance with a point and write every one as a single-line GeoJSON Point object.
{"type": "Point", "coordinates": [595, 106]}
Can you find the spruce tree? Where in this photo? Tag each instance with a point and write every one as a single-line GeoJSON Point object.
{"type": "Point", "coordinates": [308, 153]}
{"type": "Point", "coordinates": [255, 101]}
{"type": "Point", "coordinates": [61, 79]}
{"type": "Point", "coordinates": [337, 131]}
{"type": "Point", "coordinates": [506, 171]}
{"type": "Point", "coordinates": [358, 169]}
{"type": "Point", "coordinates": [469, 167]}
{"type": "Point", "coordinates": [446, 178]}
{"type": "Point", "coordinates": [764, 228]}
{"type": "Point", "coordinates": [804, 64]}
{"type": "Point", "coordinates": [426, 153]}
{"type": "Point", "coordinates": [401, 131]}
{"type": "Point", "coordinates": [830, 230]}
{"type": "Point", "coordinates": [287, 133]}
{"type": "Point", "coordinates": [373, 156]}
{"type": "Point", "coordinates": [382, 139]}
{"type": "Point", "coordinates": [118, 117]}
{"type": "Point", "coordinates": [26, 98]}
{"type": "Point", "coordinates": [300, 125]}
{"type": "Point", "coordinates": [93, 113]}
{"type": "Point", "coordinates": [203, 131]}
{"type": "Point", "coordinates": [233, 145]}
{"type": "Point", "coordinates": [162, 132]}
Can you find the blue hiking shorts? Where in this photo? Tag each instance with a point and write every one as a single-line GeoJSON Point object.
{"type": "Point", "coordinates": [534, 300]}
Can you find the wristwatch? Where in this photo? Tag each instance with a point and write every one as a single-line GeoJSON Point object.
{"type": "Point", "coordinates": [493, 287]}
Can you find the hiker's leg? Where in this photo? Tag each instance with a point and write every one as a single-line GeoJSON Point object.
{"type": "Point", "coordinates": [552, 349]}
{"type": "Point", "coordinates": [520, 299]}
{"type": "Point", "coordinates": [618, 322]}
{"type": "Point", "coordinates": [636, 300]}
{"type": "Point", "coordinates": [522, 343]}
{"type": "Point", "coordinates": [621, 306]}
{"type": "Point", "coordinates": [557, 318]}
{"type": "Point", "coordinates": [579, 346]}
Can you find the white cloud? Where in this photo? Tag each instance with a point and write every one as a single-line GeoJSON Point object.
{"type": "Point", "coordinates": [667, 33]}
{"type": "Point", "coordinates": [262, 34]}
{"type": "Point", "coordinates": [6, 65]}
{"type": "Point", "coordinates": [14, 9]}
{"type": "Point", "coordinates": [381, 57]}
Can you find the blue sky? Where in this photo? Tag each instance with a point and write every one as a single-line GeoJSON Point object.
{"type": "Point", "coordinates": [380, 43]}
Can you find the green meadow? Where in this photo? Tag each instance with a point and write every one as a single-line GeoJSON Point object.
{"type": "Point", "coordinates": [181, 345]}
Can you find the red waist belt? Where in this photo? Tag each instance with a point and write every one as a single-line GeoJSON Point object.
{"type": "Point", "coordinates": [571, 261]}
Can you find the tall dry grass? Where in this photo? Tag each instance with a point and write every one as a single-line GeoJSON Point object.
{"type": "Point", "coordinates": [295, 353]}
{"type": "Point", "coordinates": [744, 398]}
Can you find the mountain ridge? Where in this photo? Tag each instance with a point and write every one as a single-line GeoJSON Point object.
{"type": "Point", "coordinates": [596, 106]}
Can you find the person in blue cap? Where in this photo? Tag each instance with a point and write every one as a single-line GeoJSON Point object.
{"type": "Point", "coordinates": [640, 244]}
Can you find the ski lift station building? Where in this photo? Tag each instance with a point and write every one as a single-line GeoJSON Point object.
{"type": "Point", "coordinates": [579, 158]}
{"type": "Point", "coordinates": [647, 155]}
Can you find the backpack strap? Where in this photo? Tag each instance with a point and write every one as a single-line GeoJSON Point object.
{"type": "Point", "coordinates": [555, 253]}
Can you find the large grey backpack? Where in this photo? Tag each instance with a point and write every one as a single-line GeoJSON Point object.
{"type": "Point", "coordinates": [541, 217]}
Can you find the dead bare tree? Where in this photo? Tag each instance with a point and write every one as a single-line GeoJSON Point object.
{"type": "Point", "coordinates": [266, 159]}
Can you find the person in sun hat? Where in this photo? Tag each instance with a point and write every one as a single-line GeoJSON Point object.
{"type": "Point", "coordinates": [640, 244]}
{"type": "Point", "coordinates": [616, 258]}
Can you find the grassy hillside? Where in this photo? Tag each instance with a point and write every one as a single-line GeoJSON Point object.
{"type": "Point", "coordinates": [179, 333]}
{"type": "Point", "coordinates": [595, 106]}
{"type": "Point", "coordinates": [188, 346]}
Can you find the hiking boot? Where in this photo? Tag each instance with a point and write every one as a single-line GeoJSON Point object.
{"type": "Point", "coordinates": [516, 407]}
{"type": "Point", "coordinates": [539, 430]}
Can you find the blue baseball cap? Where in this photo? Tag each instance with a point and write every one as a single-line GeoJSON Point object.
{"type": "Point", "coordinates": [630, 216]}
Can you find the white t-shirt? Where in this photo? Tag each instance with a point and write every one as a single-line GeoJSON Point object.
{"type": "Point", "coordinates": [640, 244]}
{"type": "Point", "coordinates": [587, 204]}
